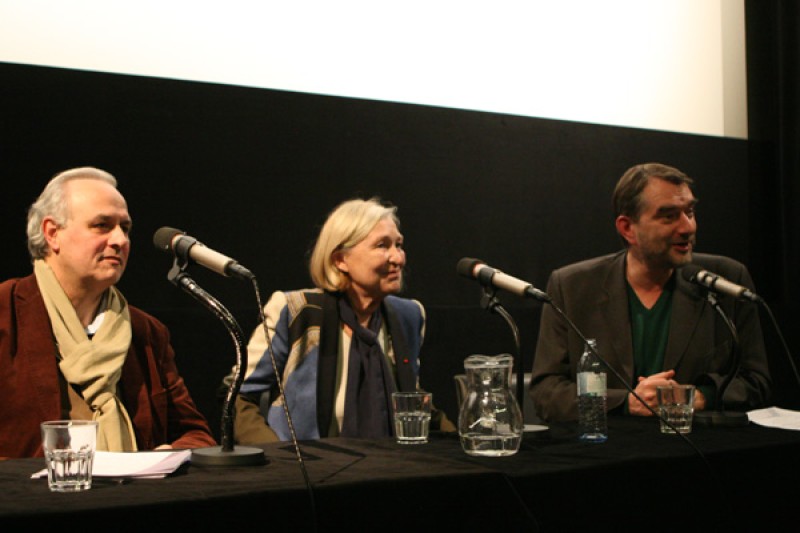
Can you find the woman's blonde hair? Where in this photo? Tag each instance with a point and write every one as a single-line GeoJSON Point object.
{"type": "Point", "coordinates": [347, 225]}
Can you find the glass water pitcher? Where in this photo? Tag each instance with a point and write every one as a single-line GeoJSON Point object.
{"type": "Point", "coordinates": [489, 418]}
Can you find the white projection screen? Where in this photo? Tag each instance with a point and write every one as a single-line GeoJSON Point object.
{"type": "Point", "coordinates": [672, 65]}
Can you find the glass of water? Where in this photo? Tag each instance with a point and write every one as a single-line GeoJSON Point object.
{"type": "Point", "coordinates": [412, 416]}
{"type": "Point", "coordinates": [69, 447]}
{"type": "Point", "coordinates": [676, 407]}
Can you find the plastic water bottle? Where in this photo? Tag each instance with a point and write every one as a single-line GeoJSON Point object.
{"type": "Point", "coordinates": [592, 422]}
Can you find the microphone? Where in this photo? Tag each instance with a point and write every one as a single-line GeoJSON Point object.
{"type": "Point", "coordinates": [697, 275]}
{"type": "Point", "coordinates": [184, 247]}
{"type": "Point", "coordinates": [488, 276]}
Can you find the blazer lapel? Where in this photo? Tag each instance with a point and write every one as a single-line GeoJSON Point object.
{"type": "Point", "coordinates": [37, 347]}
{"type": "Point", "coordinates": [614, 305]}
{"type": "Point", "coordinates": [406, 379]}
{"type": "Point", "coordinates": [687, 306]}
{"type": "Point", "coordinates": [328, 355]}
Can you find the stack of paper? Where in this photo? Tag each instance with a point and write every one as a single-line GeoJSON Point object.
{"type": "Point", "coordinates": [775, 417]}
{"type": "Point", "coordinates": [147, 465]}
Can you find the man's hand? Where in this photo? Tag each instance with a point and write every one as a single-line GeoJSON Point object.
{"type": "Point", "coordinates": [646, 390]}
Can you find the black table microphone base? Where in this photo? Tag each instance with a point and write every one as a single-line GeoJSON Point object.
{"type": "Point", "coordinates": [721, 418]}
{"type": "Point", "coordinates": [216, 456]}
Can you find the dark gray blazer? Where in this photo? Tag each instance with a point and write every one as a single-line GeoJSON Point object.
{"type": "Point", "coordinates": [593, 296]}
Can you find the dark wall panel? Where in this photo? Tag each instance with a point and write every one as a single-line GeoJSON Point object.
{"type": "Point", "coordinates": [253, 173]}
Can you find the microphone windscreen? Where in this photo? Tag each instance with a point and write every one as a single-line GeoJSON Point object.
{"type": "Point", "coordinates": [690, 271]}
{"type": "Point", "coordinates": [466, 267]}
{"type": "Point", "coordinates": [163, 237]}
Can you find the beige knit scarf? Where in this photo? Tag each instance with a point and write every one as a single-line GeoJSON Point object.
{"type": "Point", "coordinates": [93, 365]}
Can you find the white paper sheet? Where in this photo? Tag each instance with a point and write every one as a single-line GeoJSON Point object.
{"type": "Point", "coordinates": [775, 417]}
{"type": "Point", "coordinates": [151, 465]}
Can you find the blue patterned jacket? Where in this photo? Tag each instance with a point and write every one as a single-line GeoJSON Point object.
{"type": "Point", "coordinates": [304, 331]}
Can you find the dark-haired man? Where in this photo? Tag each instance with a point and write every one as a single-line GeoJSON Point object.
{"type": "Point", "coordinates": [651, 325]}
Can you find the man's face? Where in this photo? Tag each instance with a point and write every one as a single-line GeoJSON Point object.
{"type": "Point", "coordinates": [664, 235]}
{"type": "Point", "coordinates": [91, 250]}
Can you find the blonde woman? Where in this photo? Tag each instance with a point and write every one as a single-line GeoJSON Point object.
{"type": "Point", "coordinates": [343, 346]}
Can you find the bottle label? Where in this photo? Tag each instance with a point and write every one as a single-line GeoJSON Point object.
{"type": "Point", "coordinates": [593, 383]}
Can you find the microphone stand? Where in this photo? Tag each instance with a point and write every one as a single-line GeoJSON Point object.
{"type": "Point", "coordinates": [783, 340]}
{"type": "Point", "coordinates": [490, 302]}
{"type": "Point", "coordinates": [721, 417]}
{"type": "Point", "coordinates": [226, 454]}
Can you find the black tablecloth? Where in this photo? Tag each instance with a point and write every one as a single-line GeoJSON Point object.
{"type": "Point", "coordinates": [740, 478]}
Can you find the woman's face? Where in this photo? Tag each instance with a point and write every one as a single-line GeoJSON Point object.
{"type": "Point", "coordinates": [375, 265]}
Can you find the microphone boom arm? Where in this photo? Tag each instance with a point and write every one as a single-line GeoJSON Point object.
{"type": "Point", "coordinates": [490, 302]}
{"type": "Point", "coordinates": [226, 454]}
{"type": "Point", "coordinates": [185, 282]}
{"type": "Point", "coordinates": [712, 299]}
